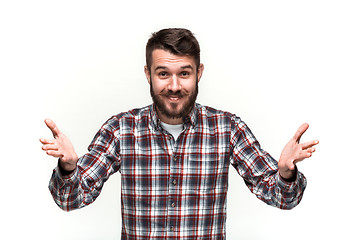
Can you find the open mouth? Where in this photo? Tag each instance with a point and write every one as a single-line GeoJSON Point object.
{"type": "Point", "coordinates": [174, 98]}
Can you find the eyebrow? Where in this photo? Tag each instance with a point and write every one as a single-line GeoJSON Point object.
{"type": "Point", "coordinates": [160, 67]}
{"type": "Point", "coordinates": [182, 67]}
{"type": "Point", "coordinates": [187, 66]}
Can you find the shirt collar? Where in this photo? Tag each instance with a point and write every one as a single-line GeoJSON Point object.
{"type": "Point", "coordinates": [191, 118]}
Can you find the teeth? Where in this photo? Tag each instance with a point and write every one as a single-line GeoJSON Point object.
{"type": "Point", "coordinates": [174, 97]}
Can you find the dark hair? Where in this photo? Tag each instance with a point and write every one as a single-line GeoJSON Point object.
{"type": "Point", "coordinates": [178, 41]}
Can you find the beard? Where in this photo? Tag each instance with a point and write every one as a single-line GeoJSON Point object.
{"type": "Point", "coordinates": [172, 112]}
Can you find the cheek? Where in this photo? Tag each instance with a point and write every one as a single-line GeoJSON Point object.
{"type": "Point", "coordinates": [189, 87]}
{"type": "Point", "coordinates": [158, 86]}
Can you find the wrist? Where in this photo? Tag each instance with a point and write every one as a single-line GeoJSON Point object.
{"type": "Point", "coordinates": [66, 168]}
{"type": "Point", "coordinates": [289, 175]}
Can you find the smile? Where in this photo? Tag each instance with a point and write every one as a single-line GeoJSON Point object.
{"type": "Point", "coordinates": [174, 98]}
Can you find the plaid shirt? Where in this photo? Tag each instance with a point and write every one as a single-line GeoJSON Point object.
{"type": "Point", "coordinates": [174, 189]}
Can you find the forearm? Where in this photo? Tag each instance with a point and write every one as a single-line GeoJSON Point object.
{"type": "Point", "coordinates": [82, 186]}
{"type": "Point", "coordinates": [66, 190]}
{"type": "Point", "coordinates": [276, 183]}
{"type": "Point", "coordinates": [278, 192]}
{"type": "Point", "coordinates": [75, 182]}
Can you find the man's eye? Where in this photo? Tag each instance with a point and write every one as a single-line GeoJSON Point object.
{"type": "Point", "coordinates": [163, 74]}
{"type": "Point", "coordinates": [185, 74]}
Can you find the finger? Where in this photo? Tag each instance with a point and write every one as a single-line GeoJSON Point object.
{"type": "Point", "coordinates": [300, 131]}
{"type": "Point", "coordinates": [54, 153]}
{"type": "Point", "coordinates": [310, 150]}
{"type": "Point", "coordinates": [49, 147]}
{"type": "Point", "coordinates": [303, 155]}
{"type": "Point", "coordinates": [45, 141]}
{"type": "Point", "coordinates": [52, 126]}
{"type": "Point", "coordinates": [309, 144]}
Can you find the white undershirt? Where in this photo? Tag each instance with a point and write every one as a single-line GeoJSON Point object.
{"type": "Point", "coordinates": [174, 130]}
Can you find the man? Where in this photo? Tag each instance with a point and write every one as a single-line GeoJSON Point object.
{"type": "Point", "coordinates": [174, 155]}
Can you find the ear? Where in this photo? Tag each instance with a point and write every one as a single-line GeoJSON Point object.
{"type": "Point", "coordinates": [200, 71]}
{"type": "Point", "coordinates": [147, 74]}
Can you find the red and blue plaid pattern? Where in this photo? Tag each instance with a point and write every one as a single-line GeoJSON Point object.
{"type": "Point", "coordinates": [174, 189]}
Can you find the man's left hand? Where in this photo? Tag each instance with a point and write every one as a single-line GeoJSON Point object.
{"type": "Point", "coordinates": [295, 152]}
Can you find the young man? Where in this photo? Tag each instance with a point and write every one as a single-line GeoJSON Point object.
{"type": "Point", "coordinates": [174, 155]}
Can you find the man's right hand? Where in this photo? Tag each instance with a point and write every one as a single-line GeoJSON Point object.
{"type": "Point", "coordinates": [60, 147]}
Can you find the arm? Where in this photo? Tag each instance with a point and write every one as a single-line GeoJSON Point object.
{"type": "Point", "coordinates": [85, 176]}
{"type": "Point", "coordinates": [261, 172]}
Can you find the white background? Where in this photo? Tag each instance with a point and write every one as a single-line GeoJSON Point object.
{"type": "Point", "coordinates": [276, 64]}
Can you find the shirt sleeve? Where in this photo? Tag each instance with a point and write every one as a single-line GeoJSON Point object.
{"type": "Point", "coordinates": [84, 184]}
{"type": "Point", "coordinates": [260, 171]}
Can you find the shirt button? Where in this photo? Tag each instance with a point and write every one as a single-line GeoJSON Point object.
{"type": "Point", "coordinates": [173, 205]}
{"type": "Point", "coordinates": [168, 137]}
{"type": "Point", "coordinates": [172, 228]}
{"type": "Point", "coordinates": [175, 158]}
{"type": "Point", "coordinates": [174, 182]}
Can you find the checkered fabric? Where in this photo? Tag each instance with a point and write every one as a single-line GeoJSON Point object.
{"type": "Point", "coordinates": [174, 189]}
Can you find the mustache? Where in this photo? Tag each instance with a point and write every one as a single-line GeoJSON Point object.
{"type": "Point", "coordinates": [170, 93]}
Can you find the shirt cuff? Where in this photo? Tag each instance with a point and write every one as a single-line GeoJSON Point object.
{"type": "Point", "coordinates": [68, 179]}
{"type": "Point", "coordinates": [286, 185]}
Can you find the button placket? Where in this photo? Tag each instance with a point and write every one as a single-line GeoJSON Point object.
{"type": "Point", "coordinates": [173, 188]}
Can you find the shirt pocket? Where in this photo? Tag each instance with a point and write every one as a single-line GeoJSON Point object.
{"type": "Point", "coordinates": [206, 173]}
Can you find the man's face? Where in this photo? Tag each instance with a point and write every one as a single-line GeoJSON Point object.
{"type": "Point", "coordinates": [173, 83]}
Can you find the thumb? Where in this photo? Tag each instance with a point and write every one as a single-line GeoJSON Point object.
{"type": "Point", "coordinates": [301, 130]}
{"type": "Point", "coordinates": [52, 126]}
{"type": "Point", "coordinates": [291, 166]}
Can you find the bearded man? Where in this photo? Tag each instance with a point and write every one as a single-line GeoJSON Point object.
{"type": "Point", "coordinates": [174, 155]}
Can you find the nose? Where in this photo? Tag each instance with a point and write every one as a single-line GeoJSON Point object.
{"type": "Point", "coordinates": [174, 84]}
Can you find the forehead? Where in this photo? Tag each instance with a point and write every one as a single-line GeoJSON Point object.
{"type": "Point", "coordinates": [166, 59]}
